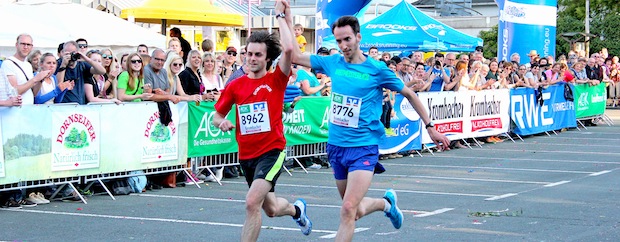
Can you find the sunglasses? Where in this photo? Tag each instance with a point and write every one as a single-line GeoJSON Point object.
{"type": "Point", "coordinates": [82, 46]}
{"type": "Point", "coordinates": [109, 57]}
{"type": "Point", "coordinates": [232, 53]}
{"type": "Point", "coordinates": [136, 61]}
{"type": "Point", "coordinates": [177, 64]}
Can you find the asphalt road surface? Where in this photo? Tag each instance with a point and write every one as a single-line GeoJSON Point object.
{"type": "Point", "coordinates": [561, 187]}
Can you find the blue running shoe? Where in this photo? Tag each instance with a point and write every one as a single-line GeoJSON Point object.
{"type": "Point", "coordinates": [303, 221]}
{"type": "Point", "coordinates": [395, 215]}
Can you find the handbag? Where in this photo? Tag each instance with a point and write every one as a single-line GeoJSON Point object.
{"type": "Point", "coordinates": [138, 182]}
{"type": "Point", "coordinates": [121, 187]}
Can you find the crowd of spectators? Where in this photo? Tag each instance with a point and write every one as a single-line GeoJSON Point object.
{"type": "Point", "coordinates": [77, 74]}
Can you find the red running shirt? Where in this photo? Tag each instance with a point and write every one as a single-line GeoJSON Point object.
{"type": "Point", "coordinates": [256, 93]}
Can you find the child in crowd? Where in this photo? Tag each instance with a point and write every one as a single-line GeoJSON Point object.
{"type": "Point", "coordinates": [301, 40]}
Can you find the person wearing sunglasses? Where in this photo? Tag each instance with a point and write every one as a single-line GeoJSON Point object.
{"type": "Point", "coordinates": [94, 86]}
{"type": "Point", "coordinates": [112, 71]}
{"type": "Point", "coordinates": [131, 82]}
{"type": "Point", "coordinates": [82, 45]}
{"type": "Point", "coordinates": [72, 69]}
{"type": "Point", "coordinates": [174, 66]}
{"type": "Point", "coordinates": [230, 62]}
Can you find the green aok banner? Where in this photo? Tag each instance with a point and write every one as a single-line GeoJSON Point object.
{"type": "Point", "coordinates": [589, 100]}
{"type": "Point", "coordinates": [306, 124]}
{"type": "Point", "coordinates": [204, 139]}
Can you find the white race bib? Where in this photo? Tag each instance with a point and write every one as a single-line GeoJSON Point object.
{"type": "Point", "coordinates": [345, 110]}
{"type": "Point", "coordinates": [254, 118]}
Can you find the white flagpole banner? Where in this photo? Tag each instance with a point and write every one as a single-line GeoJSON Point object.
{"type": "Point", "coordinates": [75, 139]}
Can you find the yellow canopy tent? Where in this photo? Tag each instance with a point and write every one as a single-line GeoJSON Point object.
{"type": "Point", "coordinates": [181, 12]}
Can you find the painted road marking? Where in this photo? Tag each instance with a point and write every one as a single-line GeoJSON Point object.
{"type": "Point", "coordinates": [600, 173]}
{"type": "Point", "coordinates": [438, 211]}
{"type": "Point", "coordinates": [331, 236]}
{"type": "Point", "coordinates": [501, 196]}
{"type": "Point", "coordinates": [524, 159]}
{"type": "Point", "coordinates": [496, 168]}
{"type": "Point", "coordinates": [556, 184]}
{"type": "Point", "coordinates": [166, 220]}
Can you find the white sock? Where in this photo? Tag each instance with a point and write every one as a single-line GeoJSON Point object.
{"type": "Point", "coordinates": [387, 206]}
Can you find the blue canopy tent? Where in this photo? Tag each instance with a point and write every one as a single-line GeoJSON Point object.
{"type": "Point", "coordinates": [404, 27]}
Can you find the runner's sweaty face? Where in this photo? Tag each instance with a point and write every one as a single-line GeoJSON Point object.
{"type": "Point", "coordinates": [256, 57]}
{"type": "Point", "coordinates": [348, 42]}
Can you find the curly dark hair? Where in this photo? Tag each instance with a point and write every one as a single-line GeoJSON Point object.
{"type": "Point", "coordinates": [271, 41]}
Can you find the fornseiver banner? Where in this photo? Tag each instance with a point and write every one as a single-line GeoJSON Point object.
{"type": "Point", "coordinates": [589, 100]}
{"type": "Point", "coordinates": [406, 126]}
{"type": "Point", "coordinates": [467, 114]}
{"type": "Point", "coordinates": [537, 18]}
{"type": "Point", "coordinates": [76, 140]}
{"type": "Point", "coordinates": [531, 117]}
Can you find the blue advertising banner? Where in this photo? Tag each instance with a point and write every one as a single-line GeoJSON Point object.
{"type": "Point", "coordinates": [531, 117]}
{"type": "Point", "coordinates": [537, 18]}
{"type": "Point", "coordinates": [407, 126]}
{"type": "Point", "coordinates": [327, 11]}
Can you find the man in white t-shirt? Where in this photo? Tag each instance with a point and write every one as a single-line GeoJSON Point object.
{"type": "Point", "coordinates": [19, 72]}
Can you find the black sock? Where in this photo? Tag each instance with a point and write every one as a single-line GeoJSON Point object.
{"type": "Point", "coordinates": [297, 212]}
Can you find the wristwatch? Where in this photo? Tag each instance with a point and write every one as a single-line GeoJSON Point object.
{"type": "Point", "coordinates": [430, 125]}
{"type": "Point", "coordinates": [62, 69]}
{"type": "Point", "coordinates": [280, 15]}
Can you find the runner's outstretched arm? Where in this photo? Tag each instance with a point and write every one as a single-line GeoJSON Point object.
{"type": "Point", "coordinates": [439, 139]}
{"type": "Point", "coordinates": [297, 57]}
{"type": "Point", "coordinates": [286, 38]}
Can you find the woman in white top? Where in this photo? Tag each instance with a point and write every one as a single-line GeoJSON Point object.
{"type": "Point", "coordinates": [52, 90]}
{"type": "Point", "coordinates": [212, 82]}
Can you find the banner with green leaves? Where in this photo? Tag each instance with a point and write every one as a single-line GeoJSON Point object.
{"type": "Point", "coordinates": [589, 100]}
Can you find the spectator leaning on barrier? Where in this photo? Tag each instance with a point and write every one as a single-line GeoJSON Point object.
{"type": "Point", "coordinates": [70, 69]}
{"type": "Point", "coordinates": [174, 66]}
{"type": "Point", "coordinates": [52, 88]}
{"type": "Point", "coordinates": [131, 82]}
{"type": "Point", "coordinates": [190, 77]}
{"type": "Point", "coordinates": [155, 74]}
{"type": "Point", "coordinates": [19, 72]}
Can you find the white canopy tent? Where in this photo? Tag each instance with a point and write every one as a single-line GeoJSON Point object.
{"type": "Point", "coordinates": [50, 24]}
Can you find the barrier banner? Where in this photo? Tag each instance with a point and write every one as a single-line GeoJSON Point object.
{"type": "Point", "coordinates": [126, 146]}
{"type": "Point", "coordinates": [589, 100]}
{"type": "Point", "coordinates": [308, 122]}
{"type": "Point", "coordinates": [532, 117]}
{"type": "Point", "coordinates": [203, 138]}
{"type": "Point", "coordinates": [159, 142]}
{"type": "Point", "coordinates": [76, 140]}
{"type": "Point", "coordinates": [467, 114]}
{"type": "Point", "coordinates": [407, 126]}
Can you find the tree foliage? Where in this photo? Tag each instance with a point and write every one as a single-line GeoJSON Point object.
{"type": "Point", "coordinates": [598, 8]}
{"type": "Point", "coordinates": [489, 38]}
{"type": "Point", "coordinates": [26, 145]}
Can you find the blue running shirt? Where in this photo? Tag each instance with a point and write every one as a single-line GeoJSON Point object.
{"type": "Point", "coordinates": [352, 84]}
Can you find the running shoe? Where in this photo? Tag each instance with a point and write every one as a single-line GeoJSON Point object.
{"type": "Point", "coordinates": [303, 221]}
{"type": "Point", "coordinates": [395, 215]}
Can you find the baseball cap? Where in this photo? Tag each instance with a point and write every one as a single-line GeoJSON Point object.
{"type": "Point", "coordinates": [323, 50]}
{"type": "Point", "coordinates": [231, 48]}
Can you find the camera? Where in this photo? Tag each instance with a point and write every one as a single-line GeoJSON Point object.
{"type": "Point", "coordinates": [75, 56]}
{"type": "Point", "coordinates": [438, 64]}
